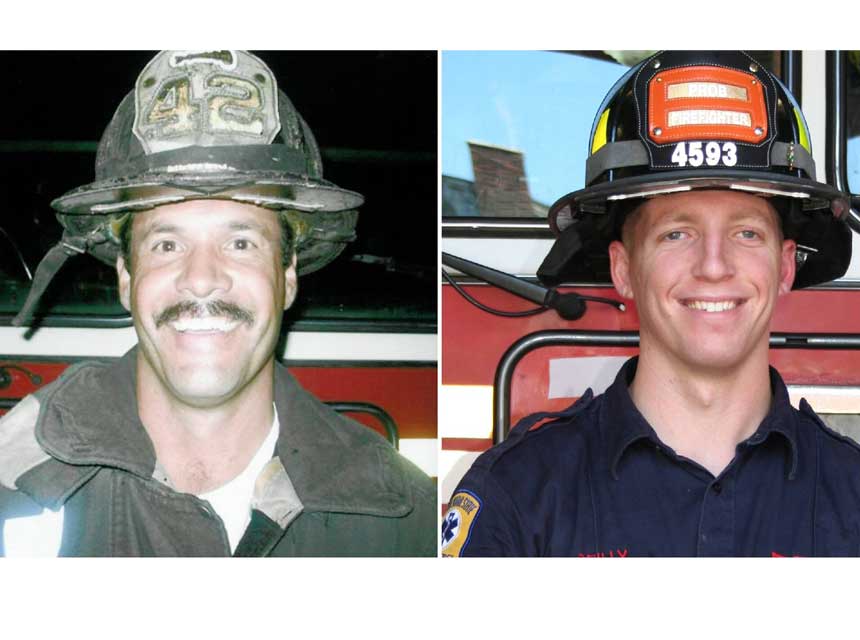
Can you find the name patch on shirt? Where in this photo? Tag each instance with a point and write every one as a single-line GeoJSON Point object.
{"type": "Point", "coordinates": [462, 511]}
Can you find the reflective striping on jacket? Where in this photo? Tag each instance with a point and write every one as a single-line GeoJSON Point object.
{"type": "Point", "coordinates": [38, 536]}
{"type": "Point", "coordinates": [19, 450]}
{"type": "Point", "coordinates": [275, 495]}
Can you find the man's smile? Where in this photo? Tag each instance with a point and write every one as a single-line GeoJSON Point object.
{"type": "Point", "coordinates": [712, 306]}
{"type": "Point", "coordinates": [206, 324]}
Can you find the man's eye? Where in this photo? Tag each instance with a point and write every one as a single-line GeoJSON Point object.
{"type": "Point", "coordinates": [242, 244]}
{"type": "Point", "coordinates": [674, 235]}
{"type": "Point", "coordinates": [165, 246]}
{"type": "Point", "coordinates": [749, 234]}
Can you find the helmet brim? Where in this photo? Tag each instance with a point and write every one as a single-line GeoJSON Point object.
{"type": "Point", "coordinates": [814, 195]}
{"type": "Point", "coordinates": [264, 188]}
{"type": "Point", "coordinates": [826, 231]}
{"type": "Point", "coordinates": [322, 215]}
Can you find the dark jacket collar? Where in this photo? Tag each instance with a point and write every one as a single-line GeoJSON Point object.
{"type": "Point", "coordinates": [89, 417]}
{"type": "Point", "coordinates": [336, 464]}
{"type": "Point", "coordinates": [623, 424]}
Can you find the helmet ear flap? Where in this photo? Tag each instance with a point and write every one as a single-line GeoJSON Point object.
{"type": "Point", "coordinates": [565, 251]}
{"type": "Point", "coordinates": [792, 220]}
{"type": "Point", "coordinates": [581, 250]}
{"type": "Point", "coordinates": [818, 233]}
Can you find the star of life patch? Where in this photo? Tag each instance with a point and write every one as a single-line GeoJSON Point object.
{"type": "Point", "coordinates": [457, 524]}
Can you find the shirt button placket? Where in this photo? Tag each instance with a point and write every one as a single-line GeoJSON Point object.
{"type": "Point", "coordinates": [717, 523]}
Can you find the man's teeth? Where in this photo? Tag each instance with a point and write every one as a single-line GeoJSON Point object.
{"type": "Point", "coordinates": [712, 307]}
{"type": "Point", "coordinates": [203, 324]}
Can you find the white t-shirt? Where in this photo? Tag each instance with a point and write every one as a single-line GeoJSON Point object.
{"type": "Point", "coordinates": [232, 501]}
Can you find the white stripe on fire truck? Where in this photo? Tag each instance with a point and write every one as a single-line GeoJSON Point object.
{"type": "Point", "coordinates": [301, 345]}
{"type": "Point", "coordinates": [422, 452]}
{"type": "Point", "coordinates": [465, 411]}
{"type": "Point", "coordinates": [517, 256]}
{"type": "Point", "coordinates": [570, 377]}
{"type": "Point", "coordinates": [827, 398]}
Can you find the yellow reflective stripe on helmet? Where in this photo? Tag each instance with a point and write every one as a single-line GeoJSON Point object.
{"type": "Point", "coordinates": [804, 134]}
{"type": "Point", "coordinates": [600, 133]}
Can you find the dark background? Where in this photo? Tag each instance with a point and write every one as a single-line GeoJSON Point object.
{"type": "Point", "coordinates": [374, 118]}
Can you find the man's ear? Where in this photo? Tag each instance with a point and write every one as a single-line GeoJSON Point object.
{"type": "Point", "coordinates": [124, 283]}
{"type": "Point", "coordinates": [619, 268]}
{"type": "Point", "coordinates": [291, 284]}
{"type": "Point", "coordinates": [787, 266]}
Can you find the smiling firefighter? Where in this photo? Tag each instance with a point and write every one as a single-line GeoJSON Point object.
{"type": "Point", "coordinates": [210, 202]}
{"type": "Point", "coordinates": [700, 185]}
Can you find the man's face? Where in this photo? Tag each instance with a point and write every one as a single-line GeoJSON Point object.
{"type": "Point", "coordinates": [705, 270]}
{"type": "Point", "coordinates": [206, 290]}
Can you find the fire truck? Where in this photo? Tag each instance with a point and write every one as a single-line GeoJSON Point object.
{"type": "Point", "coordinates": [515, 130]}
{"type": "Point", "coordinates": [362, 334]}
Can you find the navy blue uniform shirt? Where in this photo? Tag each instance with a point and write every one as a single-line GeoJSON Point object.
{"type": "Point", "coordinates": [597, 481]}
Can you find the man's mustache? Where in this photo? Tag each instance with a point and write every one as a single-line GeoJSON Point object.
{"type": "Point", "coordinates": [212, 308]}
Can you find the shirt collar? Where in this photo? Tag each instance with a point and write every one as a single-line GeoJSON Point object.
{"type": "Point", "coordinates": [622, 421]}
{"type": "Point", "coordinates": [624, 424]}
{"type": "Point", "coordinates": [781, 420]}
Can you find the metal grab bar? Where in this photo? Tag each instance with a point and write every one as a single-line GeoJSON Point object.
{"type": "Point", "coordinates": [392, 435]}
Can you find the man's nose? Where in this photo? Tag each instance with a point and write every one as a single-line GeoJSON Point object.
{"type": "Point", "coordinates": [715, 261]}
{"type": "Point", "coordinates": [203, 273]}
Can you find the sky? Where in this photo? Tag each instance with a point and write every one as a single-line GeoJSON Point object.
{"type": "Point", "coordinates": [539, 102]}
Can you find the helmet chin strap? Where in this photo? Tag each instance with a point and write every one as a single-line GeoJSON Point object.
{"type": "Point", "coordinates": [45, 272]}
